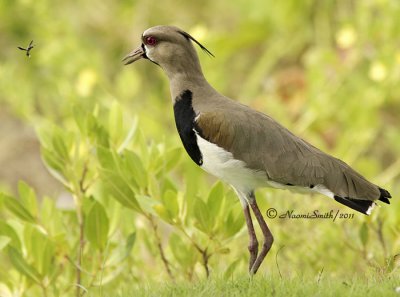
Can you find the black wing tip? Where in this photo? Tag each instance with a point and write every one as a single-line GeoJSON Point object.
{"type": "Point", "coordinates": [385, 196]}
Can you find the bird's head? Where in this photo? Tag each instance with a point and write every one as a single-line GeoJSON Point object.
{"type": "Point", "coordinates": [169, 47]}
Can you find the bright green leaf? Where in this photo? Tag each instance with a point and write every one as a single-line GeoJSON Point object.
{"type": "Point", "coordinates": [130, 242]}
{"type": "Point", "coordinates": [201, 214]}
{"type": "Point", "coordinates": [8, 231]}
{"type": "Point", "coordinates": [233, 223]}
{"type": "Point", "coordinates": [129, 136]}
{"type": "Point", "coordinates": [17, 208]}
{"type": "Point", "coordinates": [215, 200]}
{"type": "Point", "coordinates": [23, 266]}
{"type": "Point", "coordinates": [182, 251]}
{"type": "Point", "coordinates": [231, 268]}
{"type": "Point", "coordinates": [115, 180]}
{"type": "Point", "coordinates": [154, 187]}
{"type": "Point", "coordinates": [60, 146]}
{"type": "Point", "coordinates": [170, 202]}
{"type": "Point", "coordinates": [97, 226]}
{"type": "Point", "coordinates": [40, 249]}
{"type": "Point", "coordinates": [28, 197]}
{"type": "Point", "coordinates": [146, 203]}
{"type": "Point", "coordinates": [136, 168]}
{"type": "Point", "coordinates": [172, 158]}
{"type": "Point", "coordinates": [54, 165]}
{"type": "Point", "coordinates": [162, 213]}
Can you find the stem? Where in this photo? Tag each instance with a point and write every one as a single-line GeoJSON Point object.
{"type": "Point", "coordinates": [80, 252]}
{"type": "Point", "coordinates": [205, 256]}
{"type": "Point", "coordinates": [159, 245]}
{"type": "Point", "coordinates": [80, 191]}
{"type": "Point", "coordinates": [44, 290]}
{"type": "Point", "coordinates": [94, 276]}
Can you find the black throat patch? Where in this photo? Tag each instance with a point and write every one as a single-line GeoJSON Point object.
{"type": "Point", "coordinates": [185, 123]}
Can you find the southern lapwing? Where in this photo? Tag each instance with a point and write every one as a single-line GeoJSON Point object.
{"type": "Point", "coordinates": [244, 147]}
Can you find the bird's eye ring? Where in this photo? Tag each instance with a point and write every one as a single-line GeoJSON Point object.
{"type": "Point", "coordinates": [150, 40]}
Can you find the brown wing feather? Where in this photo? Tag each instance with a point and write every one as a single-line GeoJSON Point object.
{"type": "Point", "coordinates": [265, 145]}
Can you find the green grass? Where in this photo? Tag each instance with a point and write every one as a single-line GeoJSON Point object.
{"type": "Point", "coordinates": [270, 286]}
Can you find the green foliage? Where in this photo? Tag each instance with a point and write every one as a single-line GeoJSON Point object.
{"type": "Point", "coordinates": [97, 226]}
{"type": "Point", "coordinates": [141, 211]}
{"type": "Point", "coordinates": [17, 208]}
{"type": "Point", "coordinates": [23, 267]}
{"type": "Point", "coordinates": [262, 286]}
{"type": "Point", "coordinates": [111, 176]}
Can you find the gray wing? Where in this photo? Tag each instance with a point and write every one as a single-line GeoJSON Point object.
{"type": "Point", "coordinates": [264, 144]}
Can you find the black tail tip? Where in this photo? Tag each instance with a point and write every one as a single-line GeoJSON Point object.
{"type": "Point", "coordinates": [363, 206]}
{"type": "Point", "coordinates": [385, 195]}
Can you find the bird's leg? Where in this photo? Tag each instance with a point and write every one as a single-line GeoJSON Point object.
{"type": "Point", "coordinates": [268, 238]}
{"type": "Point", "coordinates": [253, 243]}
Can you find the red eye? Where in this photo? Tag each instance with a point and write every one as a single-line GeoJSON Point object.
{"type": "Point", "coordinates": [151, 40]}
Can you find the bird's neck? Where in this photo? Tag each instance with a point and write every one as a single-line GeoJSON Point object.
{"type": "Point", "coordinates": [184, 73]}
{"type": "Point", "coordinates": [194, 82]}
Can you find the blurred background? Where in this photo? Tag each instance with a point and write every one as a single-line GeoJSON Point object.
{"type": "Point", "coordinates": [327, 70]}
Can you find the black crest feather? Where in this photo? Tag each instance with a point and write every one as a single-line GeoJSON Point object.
{"type": "Point", "coordinates": [190, 37]}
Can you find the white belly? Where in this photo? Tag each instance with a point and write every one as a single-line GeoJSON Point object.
{"type": "Point", "coordinates": [221, 163]}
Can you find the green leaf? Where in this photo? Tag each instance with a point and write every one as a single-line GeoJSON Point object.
{"type": "Point", "coordinates": [28, 197]}
{"type": "Point", "coordinates": [4, 241]}
{"type": "Point", "coordinates": [40, 249]}
{"type": "Point", "coordinates": [121, 252]}
{"type": "Point", "coordinates": [60, 147]}
{"type": "Point", "coordinates": [8, 231]}
{"type": "Point", "coordinates": [136, 168]}
{"type": "Point", "coordinates": [162, 212]}
{"type": "Point", "coordinates": [54, 165]}
{"type": "Point", "coordinates": [201, 214]}
{"type": "Point", "coordinates": [172, 156]}
{"type": "Point", "coordinates": [147, 203]}
{"type": "Point", "coordinates": [121, 191]}
{"type": "Point", "coordinates": [129, 136]}
{"type": "Point", "coordinates": [130, 242]}
{"type": "Point", "coordinates": [106, 159]}
{"type": "Point", "coordinates": [22, 266]}
{"type": "Point", "coordinates": [224, 250]}
{"type": "Point", "coordinates": [167, 185]}
{"type": "Point", "coordinates": [154, 186]}
{"type": "Point", "coordinates": [116, 183]}
{"type": "Point", "coordinates": [170, 202]}
{"type": "Point", "coordinates": [231, 268]}
{"type": "Point", "coordinates": [233, 224]}
{"type": "Point", "coordinates": [96, 132]}
{"type": "Point", "coordinates": [97, 226]}
{"type": "Point", "coordinates": [51, 216]}
{"type": "Point", "coordinates": [17, 208]}
{"type": "Point", "coordinates": [215, 200]}
{"type": "Point", "coordinates": [182, 251]}
{"type": "Point", "coordinates": [364, 234]}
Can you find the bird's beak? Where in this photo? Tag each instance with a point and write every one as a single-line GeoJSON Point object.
{"type": "Point", "coordinates": [135, 55]}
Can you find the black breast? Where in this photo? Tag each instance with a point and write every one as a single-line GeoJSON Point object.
{"type": "Point", "coordinates": [185, 123]}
